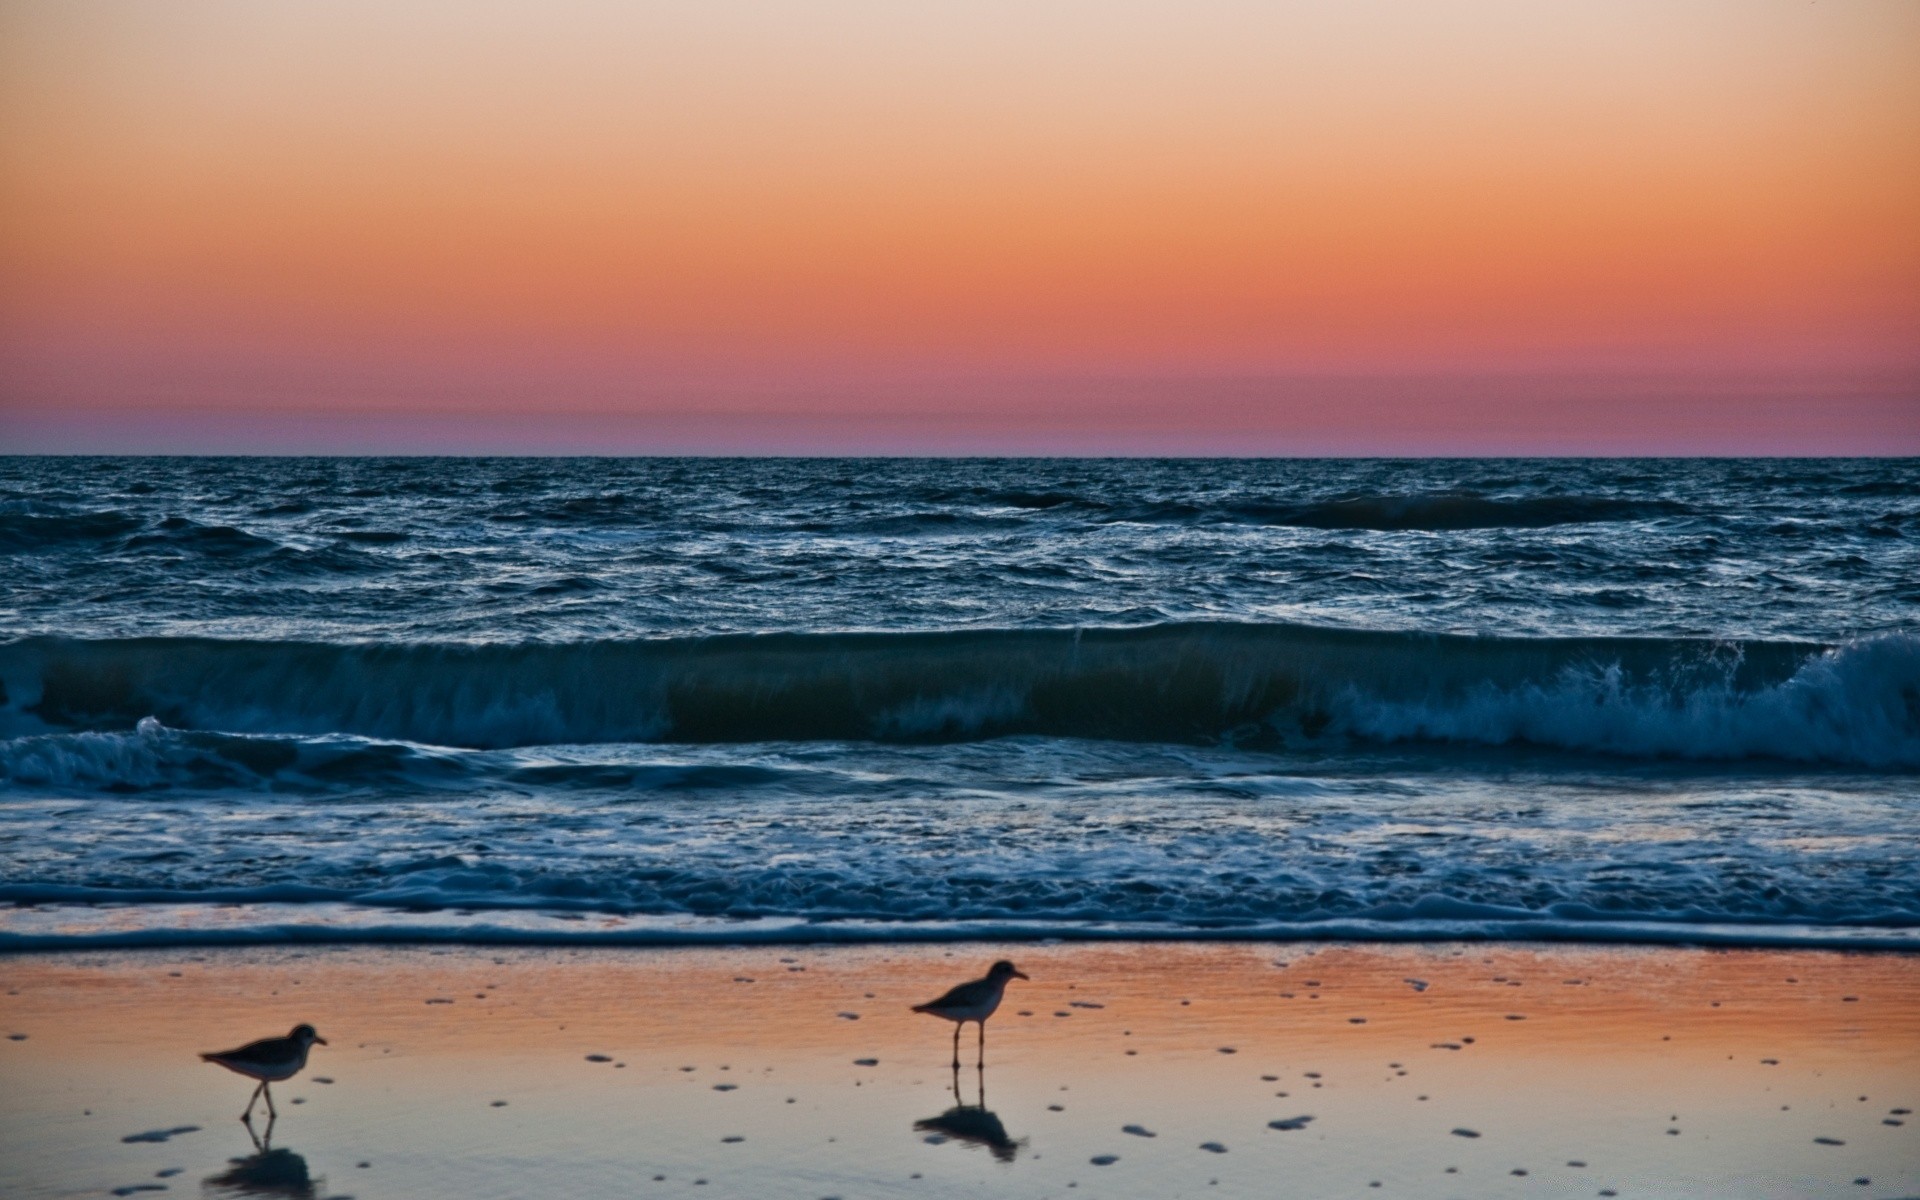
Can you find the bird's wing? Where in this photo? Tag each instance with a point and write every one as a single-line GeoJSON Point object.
{"type": "Point", "coordinates": [266, 1050]}
{"type": "Point", "coordinates": [963, 996]}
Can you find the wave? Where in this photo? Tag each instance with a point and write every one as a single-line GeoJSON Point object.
{"type": "Point", "coordinates": [69, 922]}
{"type": "Point", "coordinates": [1432, 512]}
{"type": "Point", "coordinates": [1856, 704]}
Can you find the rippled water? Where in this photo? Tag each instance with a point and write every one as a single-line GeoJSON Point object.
{"type": "Point", "coordinates": [881, 698]}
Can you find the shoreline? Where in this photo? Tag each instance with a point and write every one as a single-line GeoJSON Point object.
{"type": "Point", "coordinates": [1551, 1054]}
{"type": "Point", "coordinates": [61, 926]}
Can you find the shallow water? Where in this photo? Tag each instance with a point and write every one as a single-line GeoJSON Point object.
{"type": "Point", "coordinates": [682, 699]}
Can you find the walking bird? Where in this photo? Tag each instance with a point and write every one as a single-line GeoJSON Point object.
{"type": "Point", "coordinates": [975, 1001]}
{"type": "Point", "coordinates": [270, 1060]}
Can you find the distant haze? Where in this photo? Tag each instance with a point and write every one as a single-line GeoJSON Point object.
{"type": "Point", "coordinates": [969, 227]}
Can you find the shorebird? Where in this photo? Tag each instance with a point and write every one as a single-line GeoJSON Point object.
{"type": "Point", "coordinates": [974, 1002]}
{"type": "Point", "coordinates": [270, 1060]}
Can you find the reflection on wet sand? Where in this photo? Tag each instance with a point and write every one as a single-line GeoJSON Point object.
{"type": "Point", "coordinates": [266, 1173]}
{"type": "Point", "coordinates": [972, 1124]}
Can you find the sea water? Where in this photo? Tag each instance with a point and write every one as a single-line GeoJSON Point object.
{"type": "Point", "coordinates": [647, 700]}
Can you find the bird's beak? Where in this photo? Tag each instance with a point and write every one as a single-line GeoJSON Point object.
{"type": "Point", "coordinates": [1022, 975]}
{"type": "Point", "coordinates": [321, 1040]}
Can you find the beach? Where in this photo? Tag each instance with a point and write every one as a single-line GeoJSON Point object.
{"type": "Point", "coordinates": [1132, 1069]}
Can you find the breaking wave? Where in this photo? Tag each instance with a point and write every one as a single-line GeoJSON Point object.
{"type": "Point", "coordinates": [1856, 704]}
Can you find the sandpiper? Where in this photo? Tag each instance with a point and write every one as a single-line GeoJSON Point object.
{"type": "Point", "coordinates": [974, 1002]}
{"type": "Point", "coordinates": [270, 1060]}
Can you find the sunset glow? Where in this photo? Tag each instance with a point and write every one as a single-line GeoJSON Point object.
{"type": "Point", "coordinates": [719, 226]}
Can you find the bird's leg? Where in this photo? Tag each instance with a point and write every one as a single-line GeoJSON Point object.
{"type": "Point", "coordinates": [267, 1091]}
{"type": "Point", "coordinates": [246, 1118]}
{"type": "Point", "coordinates": [956, 1084]}
{"type": "Point", "coordinates": [956, 1043]}
{"type": "Point", "coordinates": [983, 1045]}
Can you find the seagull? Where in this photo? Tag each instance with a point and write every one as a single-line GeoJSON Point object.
{"type": "Point", "coordinates": [270, 1060]}
{"type": "Point", "coordinates": [974, 1002]}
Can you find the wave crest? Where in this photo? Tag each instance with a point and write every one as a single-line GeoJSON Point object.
{"type": "Point", "coordinates": [1855, 704]}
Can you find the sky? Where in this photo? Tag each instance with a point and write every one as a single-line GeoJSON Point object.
{"type": "Point", "coordinates": [1034, 227]}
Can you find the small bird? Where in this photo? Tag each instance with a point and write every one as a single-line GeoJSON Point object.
{"type": "Point", "coordinates": [270, 1060]}
{"type": "Point", "coordinates": [975, 1001]}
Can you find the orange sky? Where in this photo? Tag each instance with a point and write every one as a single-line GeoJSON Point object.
{"type": "Point", "coordinates": [714, 225]}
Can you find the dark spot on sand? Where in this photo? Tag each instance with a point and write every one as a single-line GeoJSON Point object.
{"type": "Point", "coordinates": [599, 1058]}
{"type": "Point", "coordinates": [848, 1016]}
{"type": "Point", "coordinates": [160, 1135]}
{"type": "Point", "coordinates": [1138, 1131]}
{"type": "Point", "coordinates": [499, 1104]}
{"type": "Point", "coordinates": [1213, 1147]}
{"type": "Point", "coordinates": [1055, 1108]}
{"type": "Point", "coordinates": [1827, 1141]}
{"type": "Point", "coordinates": [1104, 1160]}
{"type": "Point", "coordinates": [866, 1062]}
{"type": "Point", "coordinates": [1467, 1133]}
{"type": "Point", "coordinates": [733, 1137]}
{"type": "Point", "coordinates": [1290, 1125]}
{"type": "Point", "coordinates": [726, 1087]}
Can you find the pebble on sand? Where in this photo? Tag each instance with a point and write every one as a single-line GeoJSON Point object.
{"type": "Point", "coordinates": [1138, 1131]}
{"type": "Point", "coordinates": [1466, 1133]}
{"type": "Point", "coordinates": [599, 1058]}
{"type": "Point", "coordinates": [1290, 1124]}
{"type": "Point", "coordinates": [1104, 1160]}
{"type": "Point", "coordinates": [1213, 1147]}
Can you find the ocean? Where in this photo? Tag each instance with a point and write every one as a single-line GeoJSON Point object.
{"type": "Point", "coordinates": [648, 701]}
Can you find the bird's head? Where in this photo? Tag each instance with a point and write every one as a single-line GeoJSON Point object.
{"type": "Point", "coordinates": [1005, 970]}
{"type": "Point", "coordinates": [306, 1036]}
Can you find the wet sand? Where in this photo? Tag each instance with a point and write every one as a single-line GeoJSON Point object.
{"type": "Point", "coordinates": [1155, 1070]}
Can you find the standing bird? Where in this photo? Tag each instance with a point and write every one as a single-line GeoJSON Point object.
{"type": "Point", "coordinates": [975, 1001]}
{"type": "Point", "coordinates": [270, 1060]}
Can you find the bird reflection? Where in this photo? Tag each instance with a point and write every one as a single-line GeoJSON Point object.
{"type": "Point", "coordinates": [973, 1124]}
{"type": "Point", "coordinates": [265, 1172]}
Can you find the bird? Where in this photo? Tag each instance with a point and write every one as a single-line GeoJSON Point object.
{"type": "Point", "coordinates": [270, 1060]}
{"type": "Point", "coordinates": [974, 1001]}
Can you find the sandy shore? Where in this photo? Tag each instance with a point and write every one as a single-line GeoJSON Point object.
{"type": "Point", "coordinates": [1120, 1070]}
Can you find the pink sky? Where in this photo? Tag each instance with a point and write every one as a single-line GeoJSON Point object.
{"type": "Point", "coordinates": [960, 228]}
